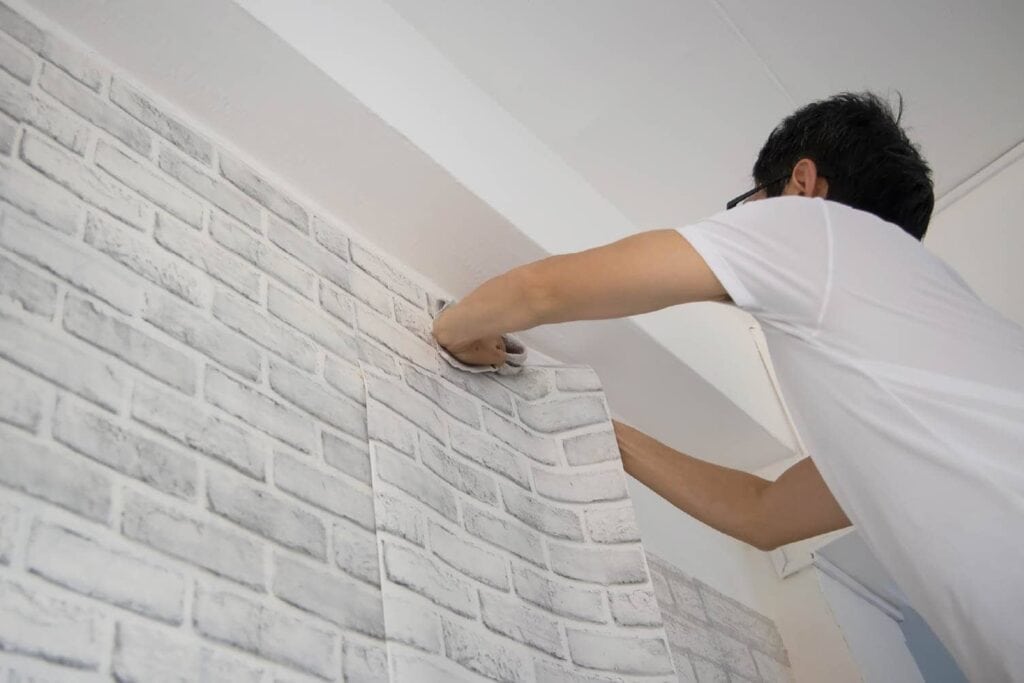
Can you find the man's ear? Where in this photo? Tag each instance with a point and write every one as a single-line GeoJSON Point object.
{"type": "Point", "coordinates": [806, 181]}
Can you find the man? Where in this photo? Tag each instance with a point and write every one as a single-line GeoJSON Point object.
{"type": "Point", "coordinates": [906, 389]}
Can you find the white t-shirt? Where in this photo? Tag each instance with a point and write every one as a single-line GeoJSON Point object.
{"type": "Point", "coordinates": [908, 392]}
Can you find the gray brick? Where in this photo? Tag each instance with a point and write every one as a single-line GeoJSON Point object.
{"type": "Point", "coordinates": [412, 622]}
{"type": "Point", "coordinates": [684, 667]}
{"type": "Point", "coordinates": [455, 404]}
{"type": "Point", "coordinates": [210, 546]}
{"type": "Point", "coordinates": [549, 672]}
{"type": "Point", "coordinates": [16, 62]}
{"type": "Point", "coordinates": [355, 552]}
{"type": "Point", "coordinates": [387, 275]}
{"type": "Point", "coordinates": [662, 591]}
{"type": "Point", "coordinates": [530, 384]}
{"type": "Point", "coordinates": [200, 430]}
{"type": "Point", "coordinates": [342, 601]}
{"type": "Point", "coordinates": [397, 339]}
{"type": "Point", "coordinates": [599, 565]}
{"type": "Point", "coordinates": [334, 409]}
{"type": "Point", "coordinates": [418, 668]}
{"type": "Point", "coordinates": [150, 184]}
{"type": "Point", "coordinates": [504, 533]}
{"type": "Point", "coordinates": [72, 59]}
{"type": "Point", "coordinates": [100, 113]}
{"type": "Point", "coordinates": [488, 656]}
{"type": "Point", "coordinates": [536, 513]}
{"type": "Point", "coordinates": [271, 261]}
{"type": "Point", "coordinates": [269, 633]}
{"type": "Point", "coordinates": [71, 262]}
{"type": "Point", "coordinates": [193, 328]}
{"type": "Point", "coordinates": [208, 256]}
{"type": "Point", "coordinates": [563, 414]}
{"type": "Point", "coordinates": [245, 179]}
{"type": "Point", "coordinates": [21, 398]}
{"type": "Point", "coordinates": [365, 663]}
{"type": "Point", "coordinates": [259, 410]}
{"type": "Point", "coordinates": [337, 303]}
{"type": "Point", "coordinates": [407, 475]}
{"type": "Point", "coordinates": [377, 357]}
{"type": "Point", "coordinates": [735, 656]}
{"type": "Point", "coordinates": [25, 106]}
{"type": "Point", "coordinates": [691, 636]}
{"type": "Point", "coordinates": [61, 363]}
{"type": "Point", "coordinates": [40, 198]}
{"type": "Point", "coordinates": [8, 135]}
{"type": "Point", "coordinates": [741, 622]}
{"type": "Point", "coordinates": [93, 187]}
{"type": "Point", "coordinates": [471, 481]}
{"type": "Point", "coordinates": [258, 510]}
{"type": "Point", "coordinates": [387, 427]}
{"type": "Point", "coordinates": [490, 454]}
{"type": "Point", "coordinates": [332, 238]}
{"type": "Point", "coordinates": [106, 572]}
{"type": "Point", "coordinates": [268, 333]}
{"type": "Point", "coordinates": [636, 607]}
{"type": "Point", "coordinates": [143, 654]}
{"type": "Point", "coordinates": [333, 494]}
{"type": "Point", "coordinates": [510, 617]}
{"type": "Point", "coordinates": [684, 597]}
{"type": "Point", "coordinates": [147, 259]}
{"type": "Point", "coordinates": [558, 596]}
{"type": "Point", "coordinates": [311, 254]}
{"type": "Point", "coordinates": [152, 463]}
{"type": "Point", "coordinates": [370, 292]}
{"type": "Point", "coordinates": [44, 624]}
{"type": "Point", "coordinates": [408, 404]}
{"type": "Point", "coordinates": [612, 524]}
{"type": "Point", "coordinates": [580, 487]}
{"type": "Point", "coordinates": [588, 449]}
{"type": "Point", "coordinates": [577, 379]}
{"type": "Point", "coordinates": [471, 559]}
{"type": "Point", "coordinates": [351, 457]}
{"type": "Point", "coordinates": [145, 110]}
{"type": "Point", "coordinates": [305, 316]}
{"type": "Point", "coordinates": [414, 319]}
{"type": "Point", "coordinates": [86, 321]}
{"type": "Point", "coordinates": [10, 523]}
{"type": "Point", "coordinates": [410, 569]}
{"type": "Point", "coordinates": [45, 473]}
{"type": "Point", "coordinates": [709, 672]}
{"type": "Point", "coordinates": [396, 515]}
{"type": "Point", "coordinates": [34, 293]}
{"type": "Point", "coordinates": [539, 448]}
{"type": "Point", "coordinates": [771, 670]}
{"type": "Point", "coordinates": [217, 192]}
{"type": "Point", "coordinates": [346, 378]}
{"type": "Point", "coordinates": [614, 652]}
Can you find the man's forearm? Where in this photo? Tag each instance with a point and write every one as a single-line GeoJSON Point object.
{"type": "Point", "coordinates": [506, 303]}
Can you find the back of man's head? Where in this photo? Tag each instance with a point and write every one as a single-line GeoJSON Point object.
{"type": "Point", "coordinates": [858, 146]}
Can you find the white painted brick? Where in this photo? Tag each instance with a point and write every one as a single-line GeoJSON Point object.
{"type": "Point", "coordinates": [260, 411]}
{"type": "Point", "coordinates": [270, 516]}
{"type": "Point", "coordinates": [410, 569]}
{"type": "Point", "coordinates": [44, 624]}
{"type": "Point", "coordinates": [143, 654]}
{"type": "Point", "coordinates": [271, 334]}
{"type": "Point", "coordinates": [200, 430]}
{"type": "Point", "coordinates": [490, 454]}
{"type": "Point", "coordinates": [349, 604]}
{"type": "Point", "coordinates": [612, 524]}
{"type": "Point", "coordinates": [34, 293]}
{"type": "Point", "coordinates": [504, 533]}
{"type": "Point", "coordinates": [539, 448]}
{"type": "Point", "coordinates": [90, 107]}
{"type": "Point", "coordinates": [377, 357]}
{"type": "Point", "coordinates": [207, 255]}
{"type": "Point", "coordinates": [770, 670]}
{"type": "Point", "coordinates": [147, 259]}
{"type": "Point", "coordinates": [691, 636]}
{"type": "Point", "coordinates": [24, 670]}
{"type": "Point", "coordinates": [474, 482]}
{"type": "Point", "coordinates": [138, 457]}
{"type": "Point", "coordinates": [311, 254]}
{"type": "Point", "coordinates": [549, 672]}
{"type": "Point", "coordinates": [269, 633]}
{"type": "Point", "coordinates": [40, 198]}
{"type": "Point", "coordinates": [145, 110]}
{"type": "Point", "coordinates": [424, 670]}
{"type": "Point", "coordinates": [558, 596]}
{"type": "Point", "coordinates": [387, 427]}
{"type": "Point", "coordinates": [414, 319]}
{"type": "Point", "coordinates": [10, 523]}
{"type": "Point", "coordinates": [217, 192]}
{"type": "Point", "coordinates": [408, 404]}
{"type": "Point", "coordinates": [8, 135]}
{"type": "Point", "coordinates": [684, 667]}
{"type": "Point", "coordinates": [355, 552]}
{"type": "Point", "coordinates": [455, 404]}
{"type": "Point", "coordinates": [332, 238]}
{"type": "Point", "coordinates": [366, 663]}
{"type": "Point", "coordinates": [488, 656]}
{"type": "Point", "coordinates": [87, 321]}
{"type": "Point", "coordinates": [346, 378]}
{"type": "Point", "coordinates": [636, 607]}
{"type": "Point", "coordinates": [563, 414]}
{"type": "Point", "coordinates": [72, 59]}
{"type": "Point", "coordinates": [587, 449]}
{"type": "Point", "coordinates": [709, 672]}
{"type": "Point", "coordinates": [412, 623]}
{"type": "Point", "coordinates": [469, 558]}
{"type": "Point", "coordinates": [46, 473]}
{"type": "Point", "coordinates": [70, 261]}
{"type": "Point", "coordinates": [735, 656]}
{"type": "Point", "coordinates": [542, 516]}
{"type": "Point", "coordinates": [300, 390]}
{"type": "Point", "coordinates": [530, 384]}
{"type": "Point", "coordinates": [580, 487]}
{"type": "Point", "coordinates": [61, 363]}
{"type": "Point", "coordinates": [21, 398]}
{"type": "Point", "coordinates": [397, 339]}
{"type": "Point", "coordinates": [577, 379]}
{"type": "Point", "coordinates": [370, 292]}
{"type": "Point", "coordinates": [337, 303]}
{"type": "Point", "coordinates": [15, 61]}
{"type": "Point", "coordinates": [323, 490]}
{"type": "Point", "coordinates": [150, 184]}
{"type": "Point", "coordinates": [222, 551]}
{"type": "Point", "coordinates": [25, 106]}
{"type": "Point", "coordinates": [306, 317]}
{"type": "Point", "coordinates": [677, 593]}
{"type": "Point", "coordinates": [510, 617]}
{"type": "Point", "coordinates": [615, 652]}
{"type": "Point", "coordinates": [271, 261]}
{"type": "Point", "coordinates": [741, 622]}
{"type": "Point", "coordinates": [599, 565]}
{"type": "Point", "coordinates": [412, 478]}
{"type": "Point", "coordinates": [396, 515]}
{"type": "Point", "coordinates": [662, 591]}
{"type": "Point", "coordinates": [245, 179]}
{"type": "Point", "coordinates": [387, 275]}
{"type": "Point", "coordinates": [93, 187]}
{"type": "Point", "coordinates": [105, 571]}
{"type": "Point", "coordinates": [350, 457]}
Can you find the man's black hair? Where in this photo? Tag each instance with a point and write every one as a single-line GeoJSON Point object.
{"type": "Point", "coordinates": [856, 141]}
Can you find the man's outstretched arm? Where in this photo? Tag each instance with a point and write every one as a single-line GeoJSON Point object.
{"type": "Point", "coordinates": [763, 513]}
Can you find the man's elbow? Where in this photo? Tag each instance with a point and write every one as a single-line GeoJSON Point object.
{"type": "Point", "coordinates": [538, 293]}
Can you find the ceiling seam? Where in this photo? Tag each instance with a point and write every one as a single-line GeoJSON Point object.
{"type": "Point", "coordinates": [978, 177]}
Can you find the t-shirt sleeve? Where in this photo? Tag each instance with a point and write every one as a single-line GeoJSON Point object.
{"type": "Point", "coordinates": [773, 257]}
